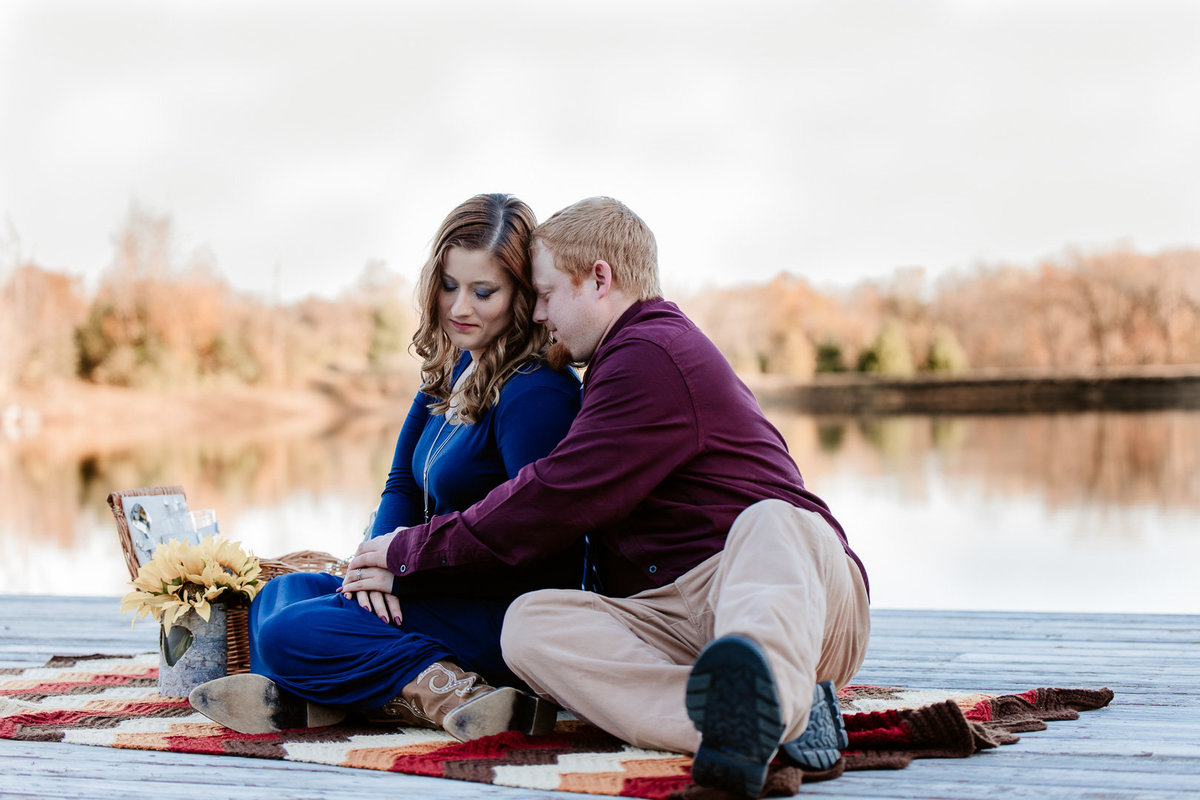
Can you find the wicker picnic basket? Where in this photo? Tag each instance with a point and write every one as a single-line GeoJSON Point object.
{"type": "Point", "coordinates": [237, 635]}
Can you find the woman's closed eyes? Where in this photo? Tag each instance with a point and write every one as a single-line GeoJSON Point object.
{"type": "Point", "coordinates": [483, 293]}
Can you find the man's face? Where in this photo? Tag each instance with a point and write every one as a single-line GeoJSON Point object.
{"type": "Point", "coordinates": [570, 312]}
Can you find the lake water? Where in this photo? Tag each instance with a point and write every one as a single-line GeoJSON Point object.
{"type": "Point", "coordinates": [1063, 512]}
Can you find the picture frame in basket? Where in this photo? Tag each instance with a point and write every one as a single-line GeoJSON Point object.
{"type": "Point", "coordinates": [146, 518]}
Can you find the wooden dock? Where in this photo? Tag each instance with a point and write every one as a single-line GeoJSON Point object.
{"type": "Point", "coordinates": [1146, 744]}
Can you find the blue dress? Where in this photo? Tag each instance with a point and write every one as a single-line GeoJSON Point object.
{"type": "Point", "coordinates": [308, 638]}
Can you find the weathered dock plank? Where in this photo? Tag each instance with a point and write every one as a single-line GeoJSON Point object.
{"type": "Point", "coordinates": [1145, 745]}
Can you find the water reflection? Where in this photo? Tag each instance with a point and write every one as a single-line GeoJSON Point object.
{"type": "Point", "coordinates": [1107, 459]}
{"type": "Point", "coordinates": [1069, 512]}
{"type": "Point", "coordinates": [275, 491]}
{"type": "Point", "coordinates": [1096, 511]}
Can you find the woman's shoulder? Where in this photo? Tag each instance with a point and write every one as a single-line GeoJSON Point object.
{"type": "Point", "coordinates": [537, 374]}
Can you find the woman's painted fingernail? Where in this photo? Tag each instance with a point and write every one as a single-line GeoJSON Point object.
{"type": "Point", "coordinates": [397, 620]}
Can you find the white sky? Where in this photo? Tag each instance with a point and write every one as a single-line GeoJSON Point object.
{"type": "Point", "coordinates": [837, 140]}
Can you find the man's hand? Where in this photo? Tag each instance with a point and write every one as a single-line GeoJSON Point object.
{"type": "Point", "coordinates": [371, 553]}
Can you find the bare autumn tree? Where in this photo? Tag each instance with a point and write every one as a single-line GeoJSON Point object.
{"type": "Point", "coordinates": [1098, 283]}
{"type": "Point", "coordinates": [39, 310]}
{"type": "Point", "coordinates": [124, 340]}
{"type": "Point", "coordinates": [44, 308]}
{"type": "Point", "coordinates": [158, 319]}
{"type": "Point", "coordinates": [1086, 310]}
{"type": "Point", "coordinates": [989, 312]}
{"type": "Point", "coordinates": [384, 295]}
{"type": "Point", "coordinates": [9, 330]}
{"type": "Point", "coordinates": [731, 320]}
{"type": "Point", "coordinates": [1165, 297]}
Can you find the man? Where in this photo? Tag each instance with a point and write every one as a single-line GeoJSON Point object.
{"type": "Point", "coordinates": [721, 601]}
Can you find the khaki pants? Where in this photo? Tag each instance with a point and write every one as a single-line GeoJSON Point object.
{"type": "Point", "coordinates": [622, 663]}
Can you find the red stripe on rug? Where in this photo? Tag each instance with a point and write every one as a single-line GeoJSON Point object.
{"type": "Point", "coordinates": [65, 687]}
{"type": "Point", "coordinates": [504, 748]}
{"type": "Point", "coordinates": [876, 730]}
{"type": "Point", "coordinates": [10, 725]}
{"type": "Point", "coordinates": [656, 788]}
{"type": "Point", "coordinates": [226, 744]}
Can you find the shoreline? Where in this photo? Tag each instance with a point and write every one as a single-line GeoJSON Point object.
{"type": "Point", "coordinates": [109, 418]}
{"type": "Point", "coordinates": [987, 392]}
{"type": "Point", "coordinates": [113, 417]}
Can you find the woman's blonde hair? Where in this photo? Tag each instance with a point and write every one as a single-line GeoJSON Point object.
{"type": "Point", "coordinates": [500, 225]}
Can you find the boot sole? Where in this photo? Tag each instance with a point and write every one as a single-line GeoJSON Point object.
{"type": "Point", "coordinates": [504, 709]}
{"type": "Point", "coordinates": [821, 744]}
{"type": "Point", "coordinates": [253, 704]}
{"type": "Point", "coordinates": [732, 700]}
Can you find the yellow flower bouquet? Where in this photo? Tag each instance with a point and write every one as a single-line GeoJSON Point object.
{"type": "Point", "coordinates": [181, 576]}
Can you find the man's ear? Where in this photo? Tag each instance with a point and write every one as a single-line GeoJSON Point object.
{"type": "Point", "coordinates": [601, 277]}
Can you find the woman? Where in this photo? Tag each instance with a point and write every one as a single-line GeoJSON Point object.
{"type": "Point", "coordinates": [488, 406]}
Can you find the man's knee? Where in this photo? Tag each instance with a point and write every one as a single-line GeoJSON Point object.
{"type": "Point", "coordinates": [777, 516]}
{"type": "Point", "coordinates": [525, 625]}
{"type": "Point", "coordinates": [780, 514]}
{"type": "Point", "coordinates": [778, 527]}
{"type": "Point", "coordinates": [766, 511]}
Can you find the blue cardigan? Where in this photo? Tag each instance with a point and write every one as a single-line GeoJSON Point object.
{"type": "Point", "coordinates": [464, 462]}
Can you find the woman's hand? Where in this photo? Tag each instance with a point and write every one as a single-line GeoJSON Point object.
{"type": "Point", "coordinates": [366, 587]}
{"type": "Point", "coordinates": [384, 605]}
{"type": "Point", "coordinates": [369, 583]}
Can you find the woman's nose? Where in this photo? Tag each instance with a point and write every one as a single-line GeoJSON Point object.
{"type": "Point", "coordinates": [462, 304]}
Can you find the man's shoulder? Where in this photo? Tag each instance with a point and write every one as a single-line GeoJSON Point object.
{"type": "Point", "coordinates": [660, 338]}
{"type": "Point", "coordinates": [656, 321]}
{"type": "Point", "coordinates": [663, 325]}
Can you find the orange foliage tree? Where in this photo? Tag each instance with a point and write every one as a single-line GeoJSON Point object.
{"type": "Point", "coordinates": [1116, 308]}
{"type": "Point", "coordinates": [159, 319]}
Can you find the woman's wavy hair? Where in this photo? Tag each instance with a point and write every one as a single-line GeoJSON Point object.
{"type": "Point", "coordinates": [501, 225]}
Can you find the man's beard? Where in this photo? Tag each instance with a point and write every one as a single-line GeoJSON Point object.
{"type": "Point", "coordinates": [558, 357]}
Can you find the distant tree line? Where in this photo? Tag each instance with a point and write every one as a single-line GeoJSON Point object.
{"type": "Point", "coordinates": [156, 320]}
{"type": "Point", "coordinates": [1085, 310]}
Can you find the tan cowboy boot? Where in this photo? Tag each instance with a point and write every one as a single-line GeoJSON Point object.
{"type": "Point", "coordinates": [445, 696]}
{"type": "Point", "coordinates": [250, 703]}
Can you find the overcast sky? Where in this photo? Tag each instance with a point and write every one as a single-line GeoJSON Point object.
{"type": "Point", "coordinates": [835, 140]}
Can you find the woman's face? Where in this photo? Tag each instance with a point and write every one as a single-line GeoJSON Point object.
{"type": "Point", "coordinates": [474, 300]}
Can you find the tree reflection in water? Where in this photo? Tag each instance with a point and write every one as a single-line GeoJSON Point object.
{"type": "Point", "coordinates": [1016, 511]}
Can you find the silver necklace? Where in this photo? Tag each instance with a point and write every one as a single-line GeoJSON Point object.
{"type": "Point", "coordinates": [435, 450]}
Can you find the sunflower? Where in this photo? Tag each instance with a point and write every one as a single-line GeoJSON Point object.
{"type": "Point", "coordinates": [182, 576]}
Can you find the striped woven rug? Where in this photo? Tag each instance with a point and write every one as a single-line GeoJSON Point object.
{"type": "Point", "coordinates": [112, 702]}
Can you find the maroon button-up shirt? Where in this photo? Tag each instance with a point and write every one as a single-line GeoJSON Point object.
{"type": "Point", "coordinates": [668, 448]}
